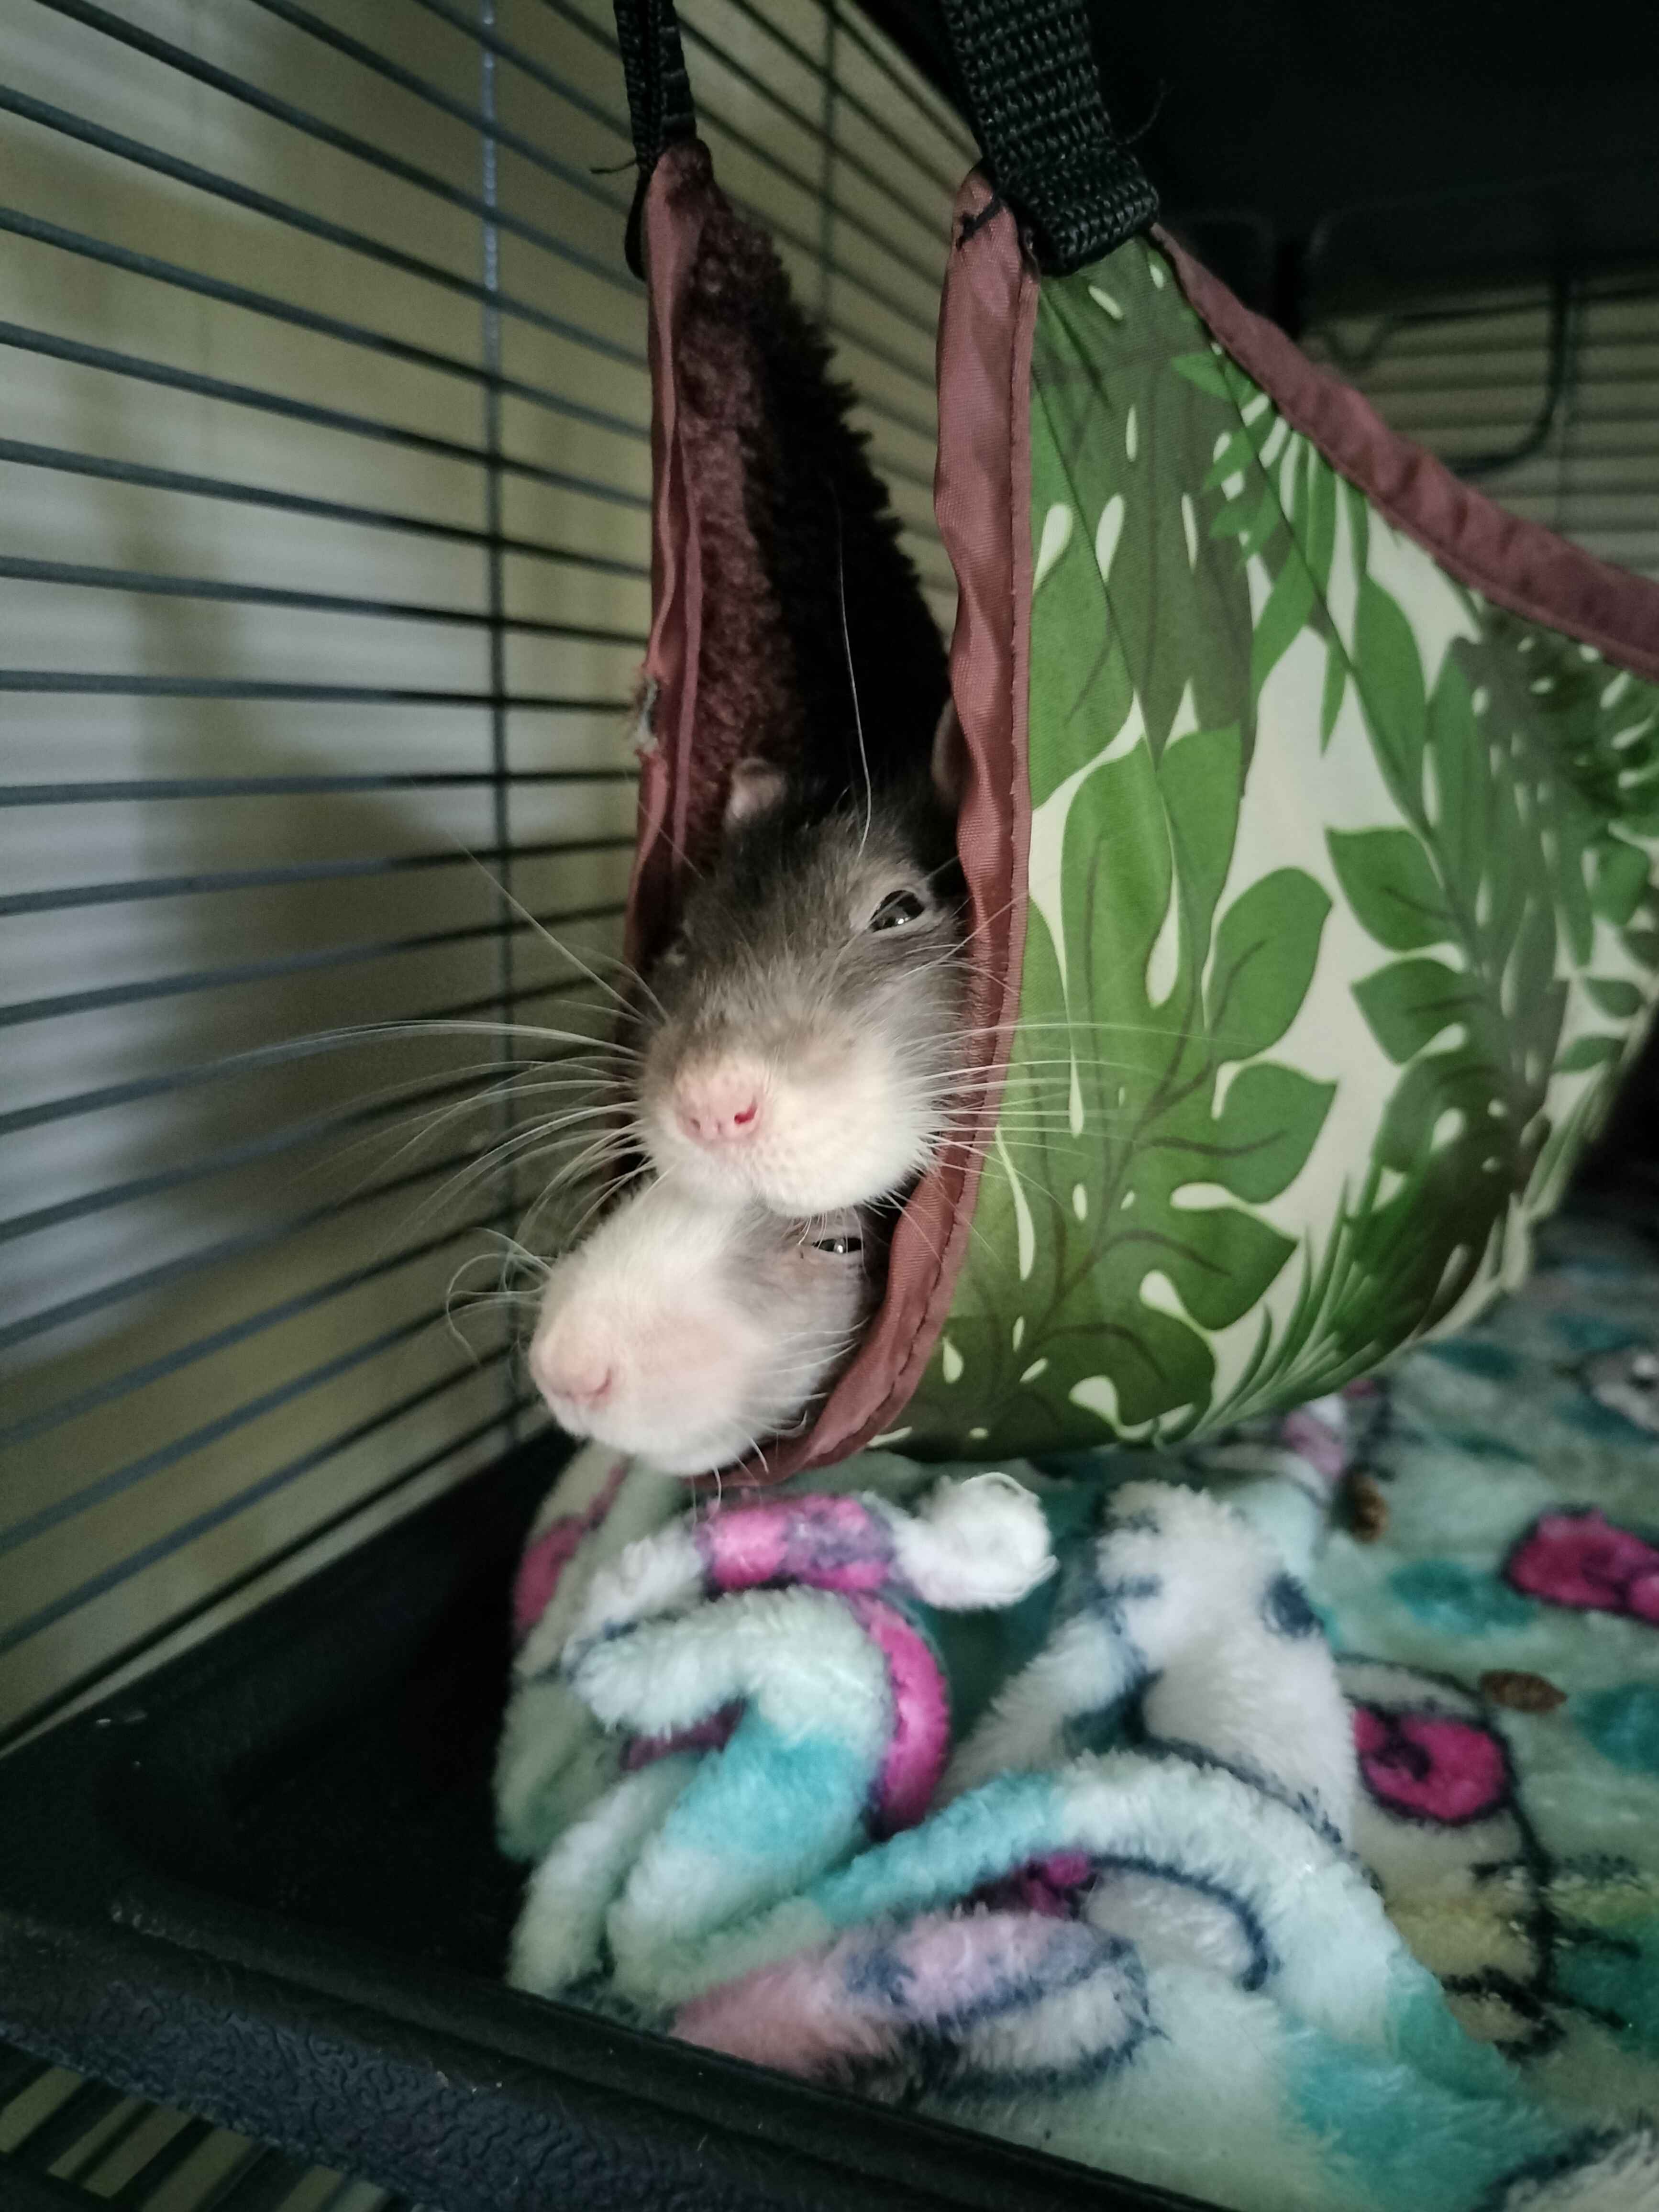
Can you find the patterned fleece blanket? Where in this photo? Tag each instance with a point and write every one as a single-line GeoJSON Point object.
{"type": "Point", "coordinates": [1308, 1780]}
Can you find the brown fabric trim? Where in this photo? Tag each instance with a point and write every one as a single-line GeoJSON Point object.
{"type": "Point", "coordinates": [1518, 565]}
{"type": "Point", "coordinates": [982, 497]}
{"type": "Point", "coordinates": [677, 203]}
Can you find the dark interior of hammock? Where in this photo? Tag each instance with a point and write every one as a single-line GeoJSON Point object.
{"type": "Point", "coordinates": [818, 651]}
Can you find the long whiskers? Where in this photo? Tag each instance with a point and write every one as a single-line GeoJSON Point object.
{"type": "Point", "coordinates": [852, 677]}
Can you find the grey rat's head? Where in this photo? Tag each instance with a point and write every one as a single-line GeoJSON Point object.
{"type": "Point", "coordinates": [808, 1019]}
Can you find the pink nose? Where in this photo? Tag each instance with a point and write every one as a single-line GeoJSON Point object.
{"type": "Point", "coordinates": [583, 1383]}
{"type": "Point", "coordinates": [719, 1106]}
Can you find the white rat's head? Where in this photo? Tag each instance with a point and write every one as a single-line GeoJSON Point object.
{"type": "Point", "coordinates": [687, 1332]}
{"type": "Point", "coordinates": [807, 1017]}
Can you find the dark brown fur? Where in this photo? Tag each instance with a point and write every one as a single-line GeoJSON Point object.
{"type": "Point", "coordinates": [787, 507]}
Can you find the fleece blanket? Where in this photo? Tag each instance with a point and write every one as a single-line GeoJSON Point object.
{"type": "Point", "coordinates": [1308, 1780]}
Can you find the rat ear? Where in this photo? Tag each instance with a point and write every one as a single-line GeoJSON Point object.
{"type": "Point", "coordinates": [948, 765]}
{"type": "Point", "coordinates": [756, 784]}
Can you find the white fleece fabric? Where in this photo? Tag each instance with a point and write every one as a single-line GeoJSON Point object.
{"type": "Point", "coordinates": [1036, 1799]}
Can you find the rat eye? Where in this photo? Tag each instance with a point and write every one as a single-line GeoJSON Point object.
{"type": "Point", "coordinates": [898, 909]}
{"type": "Point", "coordinates": [839, 1245]}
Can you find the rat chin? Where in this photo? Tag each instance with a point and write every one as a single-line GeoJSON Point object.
{"type": "Point", "coordinates": [667, 1446]}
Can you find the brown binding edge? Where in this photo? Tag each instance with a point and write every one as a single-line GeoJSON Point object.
{"type": "Point", "coordinates": [1519, 565]}
{"type": "Point", "coordinates": [672, 219]}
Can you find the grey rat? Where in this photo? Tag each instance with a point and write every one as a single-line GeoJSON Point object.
{"type": "Point", "coordinates": [686, 1330]}
{"type": "Point", "coordinates": [802, 1033]}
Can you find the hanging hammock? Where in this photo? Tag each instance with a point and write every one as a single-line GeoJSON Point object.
{"type": "Point", "coordinates": [1313, 806]}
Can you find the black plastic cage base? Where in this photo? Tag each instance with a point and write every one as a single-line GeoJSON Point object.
{"type": "Point", "coordinates": [263, 1884]}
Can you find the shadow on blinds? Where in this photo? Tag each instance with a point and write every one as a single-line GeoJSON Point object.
{"type": "Point", "coordinates": [323, 573]}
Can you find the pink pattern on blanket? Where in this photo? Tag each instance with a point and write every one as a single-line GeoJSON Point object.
{"type": "Point", "coordinates": [827, 1543]}
{"type": "Point", "coordinates": [917, 1748]}
{"type": "Point", "coordinates": [712, 1734]}
{"type": "Point", "coordinates": [1430, 1767]}
{"type": "Point", "coordinates": [838, 1544]}
{"type": "Point", "coordinates": [1317, 1441]}
{"type": "Point", "coordinates": [1584, 1560]}
{"type": "Point", "coordinates": [857, 1999]}
{"type": "Point", "coordinates": [1053, 1886]}
{"type": "Point", "coordinates": [547, 1556]}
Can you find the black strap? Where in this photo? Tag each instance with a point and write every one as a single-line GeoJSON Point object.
{"type": "Point", "coordinates": [1029, 73]}
{"type": "Point", "coordinates": [659, 94]}
{"type": "Point", "coordinates": [1040, 116]}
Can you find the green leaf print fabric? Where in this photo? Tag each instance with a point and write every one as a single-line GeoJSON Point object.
{"type": "Point", "coordinates": [1341, 915]}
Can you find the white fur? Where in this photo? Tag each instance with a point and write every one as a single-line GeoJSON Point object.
{"type": "Point", "coordinates": [979, 1542]}
{"type": "Point", "coordinates": [715, 1326]}
{"type": "Point", "coordinates": [834, 1126]}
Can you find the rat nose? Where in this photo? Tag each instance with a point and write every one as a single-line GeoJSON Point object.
{"type": "Point", "coordinates": [580, 1378]}
{"type": "Point", "coordinates": [718, 1105]}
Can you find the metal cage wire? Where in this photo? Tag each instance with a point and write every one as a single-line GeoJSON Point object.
{"type": "Point", "coordinates": [324, 562]}
{"type": "Point", "coordinates": [66, 2141]}
{"type": "Point", "coordinates": [1547, 395]}
{"type": "Point", "coordinates": [324, 449]}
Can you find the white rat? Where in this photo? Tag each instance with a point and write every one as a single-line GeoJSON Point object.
{"type": "Point", "coordinates": [802, 1035]}
{"type": "Point", "coordinates": [686, 1330]}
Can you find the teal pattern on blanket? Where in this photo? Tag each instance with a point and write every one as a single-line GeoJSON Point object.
{"type": "Point", "coordinates": [1385, 1909]}
{"type": "Point", "coordinates": [1508, 1701]}
{"type": "Point", "coordinates": [1341, 919]}
{"type": "Point", "coordinates": [1378, 1931]}
{"type": "Point", "coordinates": [1343, 2100]}
{"type": "Point", "coordinates": [1623, 1724]}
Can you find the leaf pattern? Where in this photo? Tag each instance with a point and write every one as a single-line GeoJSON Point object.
{"type": "Point", "coordinates": [1342, 916]}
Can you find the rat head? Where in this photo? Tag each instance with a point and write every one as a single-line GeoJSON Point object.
{"type": "Point", "coordinates": [686, 1332]}
{"type": "Point", "coordinates": [808, 1015]}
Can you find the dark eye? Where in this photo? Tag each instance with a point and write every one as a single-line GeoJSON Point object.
{"type": "Point", "coordinates": [898, 909]}
{"type": "Point", "coordinates": [839, 1245]}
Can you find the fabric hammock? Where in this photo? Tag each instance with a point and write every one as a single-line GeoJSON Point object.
{"type": "Point", "coordinates": [1313, 812]}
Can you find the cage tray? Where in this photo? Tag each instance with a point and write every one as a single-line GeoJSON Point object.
{"type": "Point", "coordinates": [262, 1883]}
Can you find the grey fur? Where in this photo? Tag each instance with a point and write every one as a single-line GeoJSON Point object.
{"type": "Point", "coordinates": [775, 959]}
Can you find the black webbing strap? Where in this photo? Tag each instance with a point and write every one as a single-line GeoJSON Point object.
{"type": "Point", "coordinates": [658, 93]}
{"type": "Point", "coordinates": [1037, 110]}
{"type": "Point", "coordinates": [1040, 116]}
